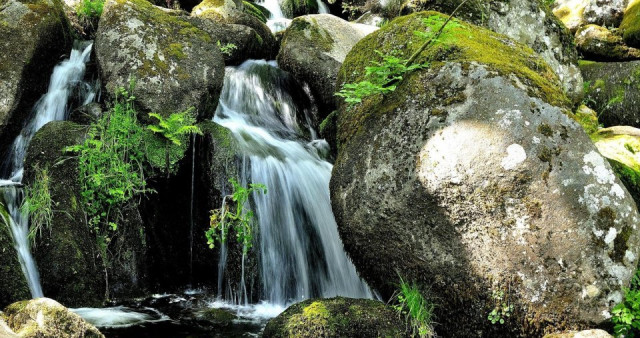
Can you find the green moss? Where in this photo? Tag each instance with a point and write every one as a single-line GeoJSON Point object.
{"type": "Point", "coordinates": [155, 147]}
{"type": "Point", "coordinates": [306, 31]}
{"type": "Point", "coordinates": [176, 50]}
{"type": "Point", "coordinates": [630, 26]}
{"type": "Point", "coordinates": [294, 8]}
{"type": "Point", "coordinates": [257, 11]}
{"type": "Point", "coordinates": [545, 130]}
{"type": "Point", "coordinates": [463, 43]}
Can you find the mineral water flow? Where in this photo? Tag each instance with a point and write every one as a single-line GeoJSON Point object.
{"type": "Point", "coordinates": [65, 80]}
{"type": "Point", "coordinates": [299, 250]}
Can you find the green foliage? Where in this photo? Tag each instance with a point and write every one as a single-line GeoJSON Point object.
{"type": "Point", "coordinates": [502, 309]}
{"type": "Point", "coordinates": [174, 131]}
{"type": "Point", "coordinates": [416, 309]}
{"type": "Point", "coordinates": [227, 48]}
{"type": "Point", "coordinates": [90, 9]}
{"type": "Point", "coordinates": [38, 204]}
{"type": "Point", "coordinates": [381, 78]}
{"type": "Point", "coordinates": [240, 219]}
{"type": "Point", "coordinates": [626, 315]}
{"type": "Point", "coordinates": [438, 26]}
{"type": "Point", "coordinates": [110, 164]}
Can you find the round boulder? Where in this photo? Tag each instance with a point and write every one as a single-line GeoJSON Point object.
{"type": "Point", "coordinates": [313, 49]}
{"type": "Point", "coordinates": [175, 65]}
{"type": "Point", "coordinates": [337, 317]}
{"type": "Point", "coordinates": [471, 179]}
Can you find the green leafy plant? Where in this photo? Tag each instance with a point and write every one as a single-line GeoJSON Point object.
{"type": "Point", "coordinates": [38, 204]}
{"type": "Point", "coordinates": [235, 217]}
{"type": "Point", "coordinates": [626, 315]}
{"type": "Point", "coordinates": [90, 9]}
{"type": "Point", "coordinates": [174, 130]}
{"type": "Point", "coordinates": [380, 78]}
{"type": "Point", "coordinates": [227, 48]}
{"type": "Point", "coordinates": [502, 309]}
{"type": "Point", "coordinates": [110, 163]}
{"type": "Point", "coordinates": [383, 77]}
{"type": "Point", "coordinates": [416, 309]}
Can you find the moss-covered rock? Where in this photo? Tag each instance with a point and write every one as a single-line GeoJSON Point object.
{"type": "Point", "coordinates": [230, 12]}
{"type": "Point", "coordinates": [294, 8]}
{"type": "Point", "coordinates": [599, 43]}
{"type": "Point", "coordinates": [14, 284]}
{"type": "Point", "coordinates": [44, 317]}
{"type": "Point", "coordinates": [313, 48]}
{"type": "Point", "coordinates": [256, 10]}
{"type": "Point", "coordinates": [529, 22]}
{"type": "Point", "coordinates": [35, 33]}
{"type": "Point", "coordinates": [471, 178]}
{"type": "Point", "coordinates": [621, 146]}
{"type": "Point", "coordinates": [69, 240]}
{"type": "Point", "coordinates": [613, 90]}
{"type": "Point", "coordinates": [337, 317]}
{"type": "Point", "coordinates": [577, 13]}
{"type": "Point", "coordinates": [175, 64]}
{"type": "Point", "coordinates": [630, 26]}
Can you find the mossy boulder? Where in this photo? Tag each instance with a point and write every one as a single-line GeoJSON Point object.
{"type": "Point", "coordinates": [613, 90]}
{"type": "Point", "coordinates": [175, 65]}
{"type": "Point", "coordinates": [630, 26]}
{"type": "Point", "coordinates": [313, 49]}
{"type": "Point", "coordinates": [35, 33]}
{"type": "Point", "coordinates": [12, 279]}
{"type": "Point", "coordinates": [577, 13]}
{"type": "Point", "coordinates": [530, 22]}
{"type": "Point", "coordinates": [621, 146]}
{"type": "Point", "coordinates": [471, 178]}
{"type": "Point", "coordinates": [295, 8]}
{"type": "Point", "coordinates": [598, 43]}
{"type": "Point", "coordinates": [337, 317]}
{"type": "Point", "coordinates": [44, 317]}
{"type": "Point", "coordinates": [79, 280]}
{"type": "Point", "coordinates": [230, 12]}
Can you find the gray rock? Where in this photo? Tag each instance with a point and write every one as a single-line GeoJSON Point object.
{"type": "Point", "coordinates": [471, 181]}
{"type": "Point", "coordinates": [611, 89]}
{"type": "Point", "coordinates": [44, 317]}
{"type": "Point", "coordinates": [175, 64]}
{"type": "Point", "coordinates": [577, 13]}
{"type": "Point", "coordinates": [599, 43]}
{"type": "Point", "coordinates": [313, 49]}
{"type": "Point", "coordinates": [34, 35]}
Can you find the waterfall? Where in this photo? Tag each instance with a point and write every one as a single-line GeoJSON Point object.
{"type": "Point", "coordinates": [65, 80]}
{"type": "Point", "coordinates": [300, 252]}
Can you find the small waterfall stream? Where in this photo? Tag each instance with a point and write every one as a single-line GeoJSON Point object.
{"type": "Point", "coordinates": [300, 252]}
{"type": "Point", "coordinates": [54, 105]}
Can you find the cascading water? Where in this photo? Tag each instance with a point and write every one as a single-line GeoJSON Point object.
{"type": "Point", "coordinates": [277, 21]}
{"type": "Point", "coordinates": [65, 80]}
{"type": "Point", "coordinates": [300, 253]}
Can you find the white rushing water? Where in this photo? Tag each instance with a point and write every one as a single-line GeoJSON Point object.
{"type": "Point", "coordinates": [119, 316]}
{"type": "Point", "coordinates": [300, 252]}
{"type": "Point", "coordinates": [65, 80]}
{"type": "Point", "coordinates": [277, 21]}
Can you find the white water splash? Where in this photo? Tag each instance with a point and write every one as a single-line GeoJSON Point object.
{"type": "Point", "coordinates": [67, 77]}
{"type": "Point", "coordinates": [301, 254]}
{"type": "Point", "coordinates": [119, 316]}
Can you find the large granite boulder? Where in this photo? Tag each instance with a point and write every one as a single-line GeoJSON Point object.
{"type": "Point", "coordinates": [598, 43]}
{"type": "Point", "coordinates": [313, 49]}
{"type": "Point", "coordinates": [34, 36]}
{"type": "Point", "coordinates": [577, 13]}
{"type": "Point", "coordinates": [471, 179]}
{"type": "Point", "coordinates": [175, 65]}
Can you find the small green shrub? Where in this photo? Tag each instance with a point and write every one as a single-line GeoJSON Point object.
{"type": "Point", "coordinates": [110, 163]}
{"type": "Point", "coordinates": [502, 309]}
{"type": "Point", "coordinates": [240, 219]}
{"type": "Point", "coordinates": [174, 131]}
{"type": "Point", "coordinates": [227, 48]}
{"type": "Point", "coordinates": [90, 9]}
{"type": "Point", "coordinates": [38, 204]}
{"type": "Point", "coordinates": [416, 309]}
{"type": "Point", "coordinates": [381, 78]}
{"type": "Point", "coordinates": [626, 315]}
